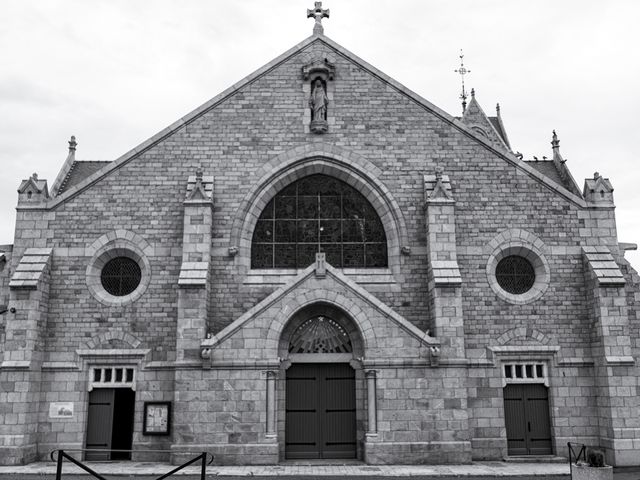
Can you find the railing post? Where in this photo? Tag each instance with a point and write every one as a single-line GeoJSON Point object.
{"type": "Point", "coordinates": [59, 466]}
{"type": "Point", "coordinates": [203, 471]}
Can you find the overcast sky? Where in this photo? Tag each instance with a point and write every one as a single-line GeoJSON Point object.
{"type": "Point", "coordinates": [115, 72]}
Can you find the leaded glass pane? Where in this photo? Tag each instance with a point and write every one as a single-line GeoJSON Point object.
{"type": "Point", "coordinates": [318, 213]}
{"type": "Point", "coordinates": [285, 230]}
{"type": "Point", "coordinates": [262, 255]}
{"type": "Point", "coordinates": [285, 255]}
{"type": "Point", "coordinates": [263, 231]}
{"type": "Point", "coordinates": [308, 206]}
{"type": "Point", "coordinates": [121, 276]}
{"type": "Point", "coordinates": [353, 255]}
{"type": "Point", "coordinates": [333, 254]}
{"type": "Point", "coordinates": [330, 231]}
{"type": "Point", "coordinates": [353, 231]}
{"type": "Point", "coordinates": [373, 230]}
{"type": "Point", "coordinates": [308, 231]}
{"type": "Point", "coordinates": [375, 255]}
{"type": "Point", "coordinates": [307, 254]}
{"type": "Point", "coordinates": [330, 207]}
{"type": "Point", "coordinates": [515, 274]}
{"type": "Point", "coordinates": [285, 207]}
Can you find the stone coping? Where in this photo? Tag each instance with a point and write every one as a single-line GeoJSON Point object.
{"type": "Point", "coordinates": [354, 469]}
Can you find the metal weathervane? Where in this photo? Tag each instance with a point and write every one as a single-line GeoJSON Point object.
{"type": "Point", "coordinates": [463, 71]}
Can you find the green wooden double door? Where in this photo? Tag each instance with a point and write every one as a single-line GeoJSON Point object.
{"type": "Point", "coordinates": [320, 411]}
{"type": "Point", "coordinates": [526, 414]}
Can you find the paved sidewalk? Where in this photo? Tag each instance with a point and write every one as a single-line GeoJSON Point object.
{"type": "Point", "coordinates": [46, 470]}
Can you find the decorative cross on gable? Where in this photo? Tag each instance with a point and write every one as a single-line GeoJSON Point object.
{"type": "Point", "coordinates": [318, 14]}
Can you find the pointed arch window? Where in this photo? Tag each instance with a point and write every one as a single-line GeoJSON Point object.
{"type": "Point", "coordinates": [315, 214]}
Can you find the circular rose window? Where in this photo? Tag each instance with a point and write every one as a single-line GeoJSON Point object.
{"type": "Point", "coordinates": [120, 276]}
{"type": "Point", "coordinates": [515, 274]}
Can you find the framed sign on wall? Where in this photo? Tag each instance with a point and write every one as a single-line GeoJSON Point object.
{"type": "Point", "coordinates": [157, 418]}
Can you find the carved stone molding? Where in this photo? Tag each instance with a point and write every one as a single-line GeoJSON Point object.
{"type": "Point", "coordinates": [320, 68]}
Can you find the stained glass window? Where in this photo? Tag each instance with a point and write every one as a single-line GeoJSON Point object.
{"type": "Point", "coordinates": [320, 334]}
{"type": "Point", "coordinates": [515, 274]}
{"type": "Point", "coordinates": [315, 214]}
{"type": "Point", "coordinates": [121, 276]}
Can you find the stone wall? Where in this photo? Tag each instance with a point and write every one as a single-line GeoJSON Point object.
{"type": "Point", "coordinates": [379, 136]}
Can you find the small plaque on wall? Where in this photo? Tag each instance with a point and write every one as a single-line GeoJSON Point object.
{"type": "Point", "coordinates": [61, 410]}
{"type": "Point", "coordinates": [157, 418]}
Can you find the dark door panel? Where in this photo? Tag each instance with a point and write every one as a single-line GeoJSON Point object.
{"type": "Point", "coordinates": [526, 413]}
{"type": "Point", "coordinates": [320, 411]}
{"type": "Point", "coordinates": [110, 423]}
{"type": "Point", "coordinates": [100, 423]}
{"type": "Point", "coordinates": [302, 425]}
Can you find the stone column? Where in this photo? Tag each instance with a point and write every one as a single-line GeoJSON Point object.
{"type": "Point", "coordinates": [444, 287]}
{"type": "Point", "coordinates": [372, 403]}
{"type": "Point", "coordinates": [20, 375]}
{"type": "Point", "coordinates": [271, 375]}
{"type": "Point", "coordinates": [193, 283]}
{"type": "Point", "coordinates": [615, 369]}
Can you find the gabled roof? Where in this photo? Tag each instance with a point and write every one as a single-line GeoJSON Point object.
{"type": "Point", "coordinates": [477, 120]}
{"type": "Point", "coordinates": [348, 284]}
{"type": "Point", "coordinates": [504, 153]}
{"type": "Point", "coordinates": [38, 185]}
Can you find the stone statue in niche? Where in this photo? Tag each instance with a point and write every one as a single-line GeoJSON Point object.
{"type": "Point", "coordinates": [318, 73]}
{"type": "Point", "coordinates": [318, 103]}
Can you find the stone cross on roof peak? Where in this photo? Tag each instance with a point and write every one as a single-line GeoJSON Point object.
{"type": "Point", "coordinates": [318, 14]}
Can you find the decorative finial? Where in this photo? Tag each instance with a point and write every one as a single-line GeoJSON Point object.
{"type": "Point", "coordinates": [473, 92]}
{"type": "Point", "coordinates": [72, 144]}
{"type": "Point", "coordinates": [199, 174]}
{"type": "Point", "coordinates": [596, 175]}
{"type": "Point", "coordinates": [498, 109]}
{"type": "Point", "coordinates": [463, 71]}
{"type": "Point", "coordinates": [555, 146]}
{"type": "Point", "coordinates": [318, 14]}
{"type": "Point", "coordinates": [34, 176]}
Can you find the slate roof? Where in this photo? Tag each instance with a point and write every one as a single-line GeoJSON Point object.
{"type": "Point", "coordinates": [496, 124]}
{"type": "Point", "coordinates": [79, 171]}
{"type": "Point", "coordinates": [550, 170]}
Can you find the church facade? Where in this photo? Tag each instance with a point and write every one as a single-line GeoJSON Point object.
{"type": "Point", "coordinates": [318, 263]}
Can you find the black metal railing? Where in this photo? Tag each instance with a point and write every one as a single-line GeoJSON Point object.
{"type": "Point", "coordinates": [62, 455]}
{"type": "Point", "coordinates": [582, 452]}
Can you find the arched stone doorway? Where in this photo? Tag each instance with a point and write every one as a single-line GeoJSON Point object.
{"type": "Point", "coordinates": [321, 388]}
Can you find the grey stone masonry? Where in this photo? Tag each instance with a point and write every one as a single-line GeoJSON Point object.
{"type": "Point", "coordinates": [20, 374]}
{"type": "Point", "coordinates": [444, 284]}
{"type": "Point", "coordinates": [31, 268]}
{"type": "Point", "coordinates": [193, 295]}
{"type": "Point", "coordinates": [431, 331]}
{"type": "Point", "coordinates": [615, 377]}
{"type": "Point", "coordinates": [603, 266]}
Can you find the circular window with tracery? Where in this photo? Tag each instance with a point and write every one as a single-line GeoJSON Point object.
{"type": "Point", "coordinates": [515, 274]}
{"type": "Point", "coordinates": [320, 334]}
{"type": "Point", "coordinates": [121, 276]}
